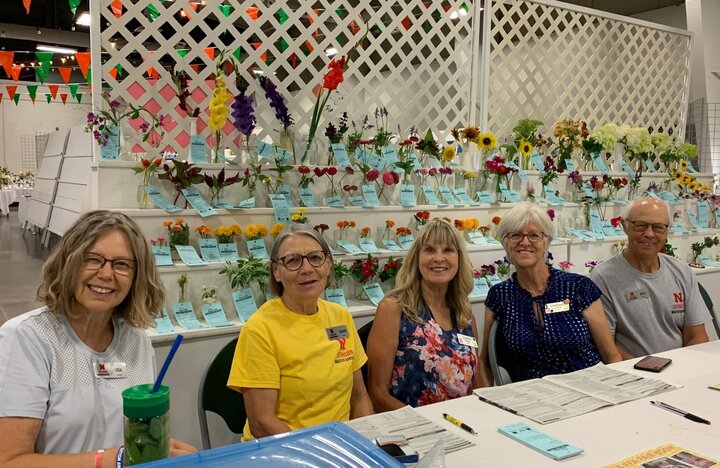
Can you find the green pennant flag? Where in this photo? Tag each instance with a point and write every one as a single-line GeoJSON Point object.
{"type": "Point", "coordinates": [73, 89]}
{"type": "Point", "coordinates": [119, 68]}
{"type": "Point", "coordinates": [73, 5]}
{"type": "Point", "coordinates": [283, 45]}
{"type": "Point", "coordinates": [339, 12]}
{"type": "Point", "coordinates": [40, 74]}
{"type": "Point", "coordinates": [153, 12]}
{"type": "Point", "coordinates": [226, 9]}
{"type": "Point", "coordinates": [89, 76]}
{"type": "Point", "coordinates": [237, 53]}
{"type": "Point", "coordinates": [465, 7]}
{"type": "Point", "coordinates": [79, 97]}
{"type": "Point", "coordinates": [182, 52]}
{"type": "Point", "coordinates": [48, 96]}
{"type": "Point", "coordinates": [16, 98]}
{"type": "Point", "coordinates": [32, 91]}
{"type": "Point", "coordinates": [282, 16]}
{"type": "Point", "coordinates": [45, 58]}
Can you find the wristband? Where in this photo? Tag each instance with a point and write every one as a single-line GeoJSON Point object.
{"type": "Point", "coordinates": [98, 458]}
{"type": "Point", "coordinates": [119, 462]}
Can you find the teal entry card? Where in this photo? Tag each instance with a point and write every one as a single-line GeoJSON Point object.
{"type": "Point", "coordinates": [703, 212]}
{"type": "Point", "coordinates": [198, 202]}
{"type": "Point", "coordinates": [521, 173]}
{"type": "Point", "coordinates": [245, 304]}
{"type": "Point", "coordinates": [513, 196]}
{"type": "Point", "coordinates": [163, 323]}
{"type": "Point", "coordinates": [209, 250]}
{"type": "Point", "coordinates": [160, 201]}
{"type": "Point", "coordinates": [708, 262]}
{"type": "Point", "coordinates": [284, 189]}
{"type": "Point", "coordinates": [367, 245]}
{"type": "Point", "coordinates": [493, 279]}
{"type": "Point", "coordinates": [337, 296]}
{"type": "Point", "coordinates": [374, 292]}
{"type": "Point", "coordinates": [599, 162]}
{"type": "Point", "coordinates": [375, 161]}
{"type": "Point", "coordinates": [480, 287]}
{"type": "Point", "coordinates": [485, 197]}
{"type": "Point", "coordinates": [492, 240]}
{"type": "Point", "coordinates": [280, 207]}
{"type": "Point", "coordinates": [391, 245]}
{"type": "Point", "coordinates": [448, 196]}
{"type": "Point", "coordinates": [222, 203]}
{"type": "Point", "coordinates": [257, 249]}
{"type": "Point", "coordinates": [389, 154]}
{"type": "Point", "coordinates": [537, 161]}
{"type": "Point", "coordinates": [550, 195]}
{"type": "Point", "coordinates": [228, 251]}
{"type": "Point", "coordinates": [717, 217]}
{"type": "Point", "coordinates": [407, 195]}
{"type": "Point", "coordinates": [248, 203]}
{"type": "Point", "coordinates": [596, 224]}
{"type": "Point", "coordinates": [607, 228]}
{"type": "Point", "coordinates": [349, 247]}
{"type": "Point", "coordinates": [476, 238]}
{"type": "Point", "coordinates": [650, 166]}
{"type": "Point", "coordinates": [540, 441]}
{"type": "Point", "coordinates": [626, 167]}
{"type": "Point", "coordinates": [341, 156]}
{"type": "Point", "coordinates": [307, 195]}
{"type": "Point", "coordinates": [357, 200]}
{"type": "Point", "coordinates": [464, 198]}
{"type": "Point", "coordinates": [570, 165]}
{"type": "Point", "coordinates": [198, 152]}
{"type": "Point", "coordinates": [162, 254]}
{"type": "Point", "coordinates": [335, 201]}
{"type": "Point", "coordinates": [189, 255]}
{"type": "Point", "coordinates": [185, 316]}
{"type": "Point", "coordinates": [406, 241]}
{"type": "Point", "coordinates": [370, 196]}
{"type": "Point", "coordinates": [430, 196]}
{"type": "Point", "coordinates": [215, 315]}
{"type": "Point", "coordinates": [111, 150]}
{"type": "Point", "coordinates": [694, 222]}
{"type": "Point", "coordinates": [264, 150]}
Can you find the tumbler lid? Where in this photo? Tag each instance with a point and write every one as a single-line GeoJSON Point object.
{"type": "Point", "coordinates": [138, 402]}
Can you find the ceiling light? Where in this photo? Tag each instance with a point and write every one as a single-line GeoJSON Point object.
{"type": "Point", "coordinates": [83, 19]}
{"type": "Point", "coordinates": [56, 49]}
{"type": "Point", "coordinates": [258, 72]}
{"type": "Point", "coordinates": [331, 51]}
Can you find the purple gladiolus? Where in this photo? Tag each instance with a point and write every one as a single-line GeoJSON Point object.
{"type": "Point", "coordinates": [243, 113]}
{"type": "Point", "coordinates": [276, 102]}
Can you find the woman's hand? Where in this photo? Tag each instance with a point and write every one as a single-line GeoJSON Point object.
{"type": "Point", "coordinates": [382, 346]}
{"type": "Point", "coordinates": [179, 448]}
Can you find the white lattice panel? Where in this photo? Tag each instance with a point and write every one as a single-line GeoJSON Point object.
{"type": "Point", "coordinates": [416, 60]}
{"type": "Point", "coordinates": [548, 62]}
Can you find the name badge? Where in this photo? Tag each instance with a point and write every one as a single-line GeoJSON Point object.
{"type": "Point", "coordinates": [554, 307]}
{"type": "Point", "coordinates": [467, 340]}
{"type": "Point", "coordinates": [110, 370]}
{"type": "Point", "coordinates": [337, 332]}
{"type": "Point", "coordinates": [637, 294]}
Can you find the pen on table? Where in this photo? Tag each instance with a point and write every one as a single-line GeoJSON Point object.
{"type": "Point", "coordinates": [498, 405]}
{"type": "Point", "coordinates": [459, 423]}
{"type": "Point", "coordinates": [682, 413]}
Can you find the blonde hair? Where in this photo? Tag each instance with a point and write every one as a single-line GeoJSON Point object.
{"type": "Point", "coordinates": [62, 269]}
{"type": "Point", "coordinates": [408, 290]}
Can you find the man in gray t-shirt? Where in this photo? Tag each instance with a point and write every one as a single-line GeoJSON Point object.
{"type": "Point", "coordinates": [652, 301]}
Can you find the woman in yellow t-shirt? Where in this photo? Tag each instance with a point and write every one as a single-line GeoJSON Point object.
{"type": "Point", "coordinates": [298, 358]}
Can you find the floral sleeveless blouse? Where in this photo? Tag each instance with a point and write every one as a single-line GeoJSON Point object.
{"type": "Point", "coordinates": [430, 364]}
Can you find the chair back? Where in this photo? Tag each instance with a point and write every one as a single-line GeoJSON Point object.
{"type": "Point", "coordinates": [500, 360]}
{"type": "Point", "coordinates": [709, 304]}
{"type": "Point", "coordinates": [363, 333]}
{"type": "Point", "coordinates": [215, 396]}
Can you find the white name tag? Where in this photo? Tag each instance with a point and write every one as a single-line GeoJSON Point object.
{"type": "Point", "coordinates": [337, 332]}
{"type": "Point", "coordinates": [636, 294]}
{"type": "Point", "coordinates": [467, 340]}
{"type": "Point", "coordinates": [554, 307]}
{"type": "Point", "coordinates": [110, 370]}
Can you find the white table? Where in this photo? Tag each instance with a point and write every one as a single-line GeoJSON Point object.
{"type": "Point", "coordinates": [610, 434]}
{"type": "Point", "coordinates": [7, 197]}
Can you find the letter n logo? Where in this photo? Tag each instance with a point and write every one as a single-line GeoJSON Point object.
{"type": "Point", "coordinates": [677, 297]}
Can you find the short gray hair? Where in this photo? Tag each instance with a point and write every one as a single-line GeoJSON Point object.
{"type": "Point", "coordinates": [520, 216]}
{"type": "Point", "coordinates": [295, 229]}
{"type": "Point", "coordinates": [633, 203]}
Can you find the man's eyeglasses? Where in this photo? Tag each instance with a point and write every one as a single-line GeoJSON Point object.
{"type": "Point", "coordinates": [121, 266]}
{"type": "Point", "coordinates": [293, 262]}
{"type": "Point", "coordinates": [532, 236]}
{"type": "Point", "coordinates": [641, 226]}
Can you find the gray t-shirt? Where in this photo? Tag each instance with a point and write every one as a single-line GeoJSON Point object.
{"type": "Point", "coordinates": [647, 312]}
{"type": "Point", "coordinates": [47, 372]}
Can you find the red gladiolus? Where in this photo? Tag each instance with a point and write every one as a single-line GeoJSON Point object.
{"type": "Point", "coordinates": [335, 76]}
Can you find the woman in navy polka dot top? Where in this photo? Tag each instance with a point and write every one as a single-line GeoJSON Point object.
{"type": "Point", "coordinates": [552, 321]}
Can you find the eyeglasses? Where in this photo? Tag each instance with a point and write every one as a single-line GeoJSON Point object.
{"type": "Point", "coordinates": [532, 236]}
{"type": "Point", "coordinates": [121, 266]}
{"type": "Point", "coordinates": [641, 226]}
{"type": "Point", "coordinates": [293, 262]}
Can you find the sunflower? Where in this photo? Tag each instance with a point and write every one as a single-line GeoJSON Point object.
{"type": "Point", "coordinates": [487, 142]}
{"type": "Point", "coordinates": [448, 153]}
{"type": "Point", "coordinates": [694, 185]}
{"type": "Point", "coordinates": [683, 165]}
{"type": "Point", "coordinates": [471, 134]}
{"type": "Point", "coordinates": [678, 175]}
{"type": "Point", "coordinates": [525, 148]}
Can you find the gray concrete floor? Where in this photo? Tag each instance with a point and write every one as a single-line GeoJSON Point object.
{"type": "Point", "coordinates": [21, 259]}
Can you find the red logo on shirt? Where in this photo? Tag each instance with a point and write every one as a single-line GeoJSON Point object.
{"type": "Point", "coordinates": [342, 343]}
{"type": "Point", "coordinates": [343, 354]}
{"type": "Point", "coordinates": [678, 297]}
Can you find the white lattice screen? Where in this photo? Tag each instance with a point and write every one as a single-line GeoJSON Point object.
{"type": "Point", "coordinates": [549, 61]}
{"type": "Point", "coordinates": [416, 60]}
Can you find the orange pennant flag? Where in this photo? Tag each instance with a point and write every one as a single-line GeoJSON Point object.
{"type": "Point", "coordinates": [263, 56]}
{"type": "Point", "coordinates": [406, 23]}
{"type": "Point", "coordinates": [194, 5]}
{"type": "Point", "coordinates": [65, 73]}
{"type": "Point", "coordinates": [15, 72]}
{"type": "Point", "coordinates": [1, 98]}
{"type": "Point", "coordinates": [309, 46]}
{"type": "Point", "coordinates": [11, 90]}
{"type": "Point", "coordinates": [293, 60]}
{"type": "Point", "coordinates": [196, 67]}
{"type": "Point", "coordinates": [253, 13]}
{"type": "Point", "coordinates": [27, 6]}
{"type": "Point", "coordinates": [113, 72]}
{"type": "Point", "coordinates": [185, 13]}
{"type": "Point", "coordinates": [152, 73]}
{"type": "Point", "coordinates": [117, 7]}
{"type": "Point", "coordinates": [6, 60]}
{"type": "Point", "coordinates": [63, 97]}
{"type": "Point", "coordinates": [83, 59]}
{"type": "Point", "coordinates": [354, 28]}
{"type": "Point", "coordinates": [210, 52]}
{"type": "Point", "coordinates": [53, 90]}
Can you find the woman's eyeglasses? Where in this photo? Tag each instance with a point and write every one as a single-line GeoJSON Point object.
{"type": "Point", "coordinates": [293, 262]}
{"type": "Point", "coordinates": [121, 266]}
{"type": "Point", "coordinates": [532, 236]}
{"type": "Point", "coordinates": [641, 226]}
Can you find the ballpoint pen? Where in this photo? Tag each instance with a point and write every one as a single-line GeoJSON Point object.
{"type": "Point", "coordinates": [459, 423]}
{"type": "Point", "coordinates": [682, 413]}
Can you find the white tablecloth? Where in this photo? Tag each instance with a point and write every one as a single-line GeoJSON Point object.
{"type": "Point", "coordinates": [9, 196]}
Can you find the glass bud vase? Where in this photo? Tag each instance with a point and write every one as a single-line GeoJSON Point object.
{"type": "Point", "coordinates": [143, 199]}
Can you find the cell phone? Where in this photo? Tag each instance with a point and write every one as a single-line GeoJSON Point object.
{"type": "Point", "coordinates": [652, 363]}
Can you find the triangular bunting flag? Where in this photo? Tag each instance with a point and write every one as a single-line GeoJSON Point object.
{"type": "Point", "coordinates": [44, 57]}
{"type": "Point", "coordinates": [88, 78]}
{"type": "Point", "coordinates": [113, 72]}
{"type": "Point", "coordinates": [237, 53]}
{"type": "Point", "coordinates": [253, 13]}
{"type": "Point", "coordinates": [40, 74]}
{"type": "Point", "coordinates": [117, 7]}
{"type": "Point", "coordinates": [73, 5]}
{"type": "Point", "coordinates": [293, 60]}
{"type": "Point", "coordinates": [196, 67]}
{"type": "Point", "coordinates": [152, 73]}
{"type": "Point", "coordinates": [65, 73]}
{"type": "Point", "coordinates": [73, 89]}
{"type": "Point", "coordinates": [309, 47]}
{"type": "Point", "coordinates": [27, 3]}
{"type": "Point", "coordinates": [263, 56]}
{"type": "Point", "coordinates": [407, 23]}
{"type": "Point", "coordinates": [210, 52]}
{"type": "Point", "coordinates": [1, 95]}
{"type": "Point", "coordinates": [53, 88]}
{"type": "Point", "coordinates": [83, 60]}
{"type": "Point", "coordinates": [119, 69]}
{"type": "Point", "coordinates": [16, 98]}
{"type": "Point", "coordinates": [282, 16]}
{"type": "Point", "coordinates": [194, 5]}
{"type": "Point", "coordinates": [11, 90]}
{"type": "Point", "coordinates": [32, 91]}
{"type": "Point", "coordinates": [79, 97]}
{"type": "Point", "coordinates": [48, 97]}
{"type": "Point", "coordinates": [182, 52]}
{"type": "Point", "coordinates": [226, 9]}
{"type": "Point", "coordinates": [6, 61]}
{"type": "Point", "coordinates": [63, 98]}
{"type": "Point", "coordinates": [153, 12]}
{"type": "Point", "coordinates": [354, 28]}
{"type": "Point", "coordinates": [15, 73]}
{"type": "Point", "coordinates": [283, 45]}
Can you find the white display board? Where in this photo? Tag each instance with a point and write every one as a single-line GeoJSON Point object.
{"type": "Point", "coordinates": [46, 180]}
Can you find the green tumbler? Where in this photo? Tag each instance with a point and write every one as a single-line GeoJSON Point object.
{"type": "Point", "coordinates": [146, 429]}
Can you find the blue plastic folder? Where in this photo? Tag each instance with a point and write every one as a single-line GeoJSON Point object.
{"type": "Point", "coordinates": [540, 441]}
{"type": "Point", "coordinates": [333, 444]}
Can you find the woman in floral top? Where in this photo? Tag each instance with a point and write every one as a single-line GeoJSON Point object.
{"type": "Point", "coordinates": [423, 345]}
